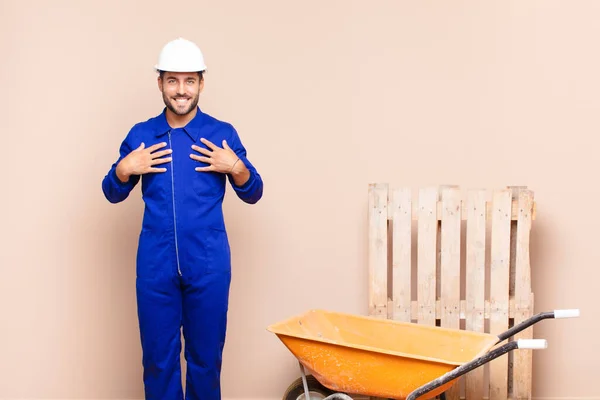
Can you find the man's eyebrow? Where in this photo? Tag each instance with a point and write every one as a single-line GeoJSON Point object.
{"type": "Point", "coordinates": [174, 77]}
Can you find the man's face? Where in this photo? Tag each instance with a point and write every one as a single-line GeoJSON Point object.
{"type": "Point", "coordinates": [180, 91]}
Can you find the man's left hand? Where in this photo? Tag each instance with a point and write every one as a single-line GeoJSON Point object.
{"type": "Point", "coordinates": [219, 159]}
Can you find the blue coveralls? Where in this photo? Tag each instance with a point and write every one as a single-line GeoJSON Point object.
{"type": "Point", "coordinates": [183, 261]}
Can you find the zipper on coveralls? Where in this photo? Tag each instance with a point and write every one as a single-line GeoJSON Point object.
{"type": "Point", "coordinates": [174, 212]}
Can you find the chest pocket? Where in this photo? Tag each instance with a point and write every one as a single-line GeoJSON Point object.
{"type": "Point", "coordinates": [156, 186]}
{"type": "Point", "coordinates": [208, 184]}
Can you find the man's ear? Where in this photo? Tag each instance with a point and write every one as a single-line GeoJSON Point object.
{"type": "Point", "coordinates": [159, 83]}
{"type": "Point", "coordinates": [201, 85]}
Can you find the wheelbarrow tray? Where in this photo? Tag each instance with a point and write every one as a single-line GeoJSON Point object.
{"type": "Point", "coordinates": [375, 356]}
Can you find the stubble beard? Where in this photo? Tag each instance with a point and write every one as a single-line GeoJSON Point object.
{"type": "Point", "coordinates": [177, 111]}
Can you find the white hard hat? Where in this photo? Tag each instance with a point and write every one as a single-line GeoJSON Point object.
{"type": "Point", "coordinates": [180, 55]}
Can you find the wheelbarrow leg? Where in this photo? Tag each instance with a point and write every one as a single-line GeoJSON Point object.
{"type": "Point", "coordinates": [304, 382]}
{"type": "Point", "coordinates": [335, 396]}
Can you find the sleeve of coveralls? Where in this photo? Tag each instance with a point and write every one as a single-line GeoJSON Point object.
{"type": "Point", "coordinates": [251, 191]}
{"type": "Point", "coordinates": [114, 190]}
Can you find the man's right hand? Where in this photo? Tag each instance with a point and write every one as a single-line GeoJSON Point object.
{"type": "Point", "coordinates": [142, 160]}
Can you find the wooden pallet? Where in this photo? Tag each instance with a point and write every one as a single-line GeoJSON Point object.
{"type": "Point", "coordinates": [458, 259]}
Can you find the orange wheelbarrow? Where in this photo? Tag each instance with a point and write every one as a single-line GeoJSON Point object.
{"type": "Point", "coordinates": [357, 355]}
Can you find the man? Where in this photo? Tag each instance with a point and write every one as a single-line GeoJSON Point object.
{"type": "Point", "coordinates": [183, 158]}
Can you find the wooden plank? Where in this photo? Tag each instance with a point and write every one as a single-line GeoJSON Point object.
{"type": "Point", "coordinates": [378, 249]}
{"type": "Point", "coordinates": [426, 255]}
{"type": "Point", "coordinates": [401, 258]}
{"type": "Point", "coordinates": [522, 359]}
{"type": "Point", "coordinates": [450, 259]}
{"type": "Point", "coordinates": [463, 309]}
{"type": "Point", "coordinates": [513, 235]}
{"type": "Point", "coordinates": [475, 282]}
{"type": "Point", "coordinates": [499, 287]}
{"type": "Point", "coordinates": [450, 266]}
{"type": "Point", "coordinates": [440, 214]}
{"type": "Point", "coordinates": [489, 208]}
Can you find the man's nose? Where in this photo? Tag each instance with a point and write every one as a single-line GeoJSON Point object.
{"type": "Point", "coordinates": [181, 88]}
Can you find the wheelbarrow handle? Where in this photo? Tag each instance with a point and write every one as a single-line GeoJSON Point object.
{"type": "Point", "coordinates": [532, 344]}
{"type": "Point", "coordinates": [537, 318]}
{"type": "Point", "coordinates": [476, 363]}
{"type": "Point", "coordinates": [566, 313]}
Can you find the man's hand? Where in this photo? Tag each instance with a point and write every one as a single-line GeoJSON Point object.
{"type": "Point", "coordinates": [218, 159]}
{"type": "Point", "coordinates": [223, 160]}
{"type": "Point", "coordinates": [142, 161]}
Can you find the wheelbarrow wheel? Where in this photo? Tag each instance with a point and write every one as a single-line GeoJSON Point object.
{"type": "Point", "coordinates": [296, 390]}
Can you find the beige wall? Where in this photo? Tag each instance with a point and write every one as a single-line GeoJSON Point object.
{"type": "Point", "coordinates": [328, 97]}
